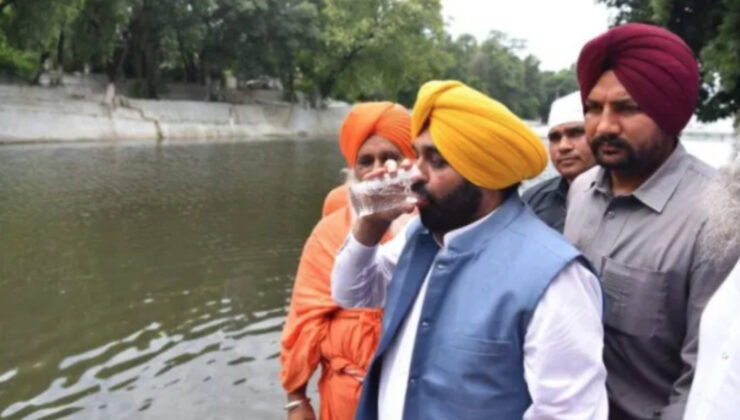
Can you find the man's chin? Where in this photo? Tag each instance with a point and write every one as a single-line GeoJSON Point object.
{"type": "Point", "coordinates": [572, 171]}
{"type": "Point", "coordinates": [613, 162]}
{"type": "Point", "coordinates": [433, 220]}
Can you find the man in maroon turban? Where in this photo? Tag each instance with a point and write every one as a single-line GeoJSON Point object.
{"type": "Point", "coordinates": [638, 218]}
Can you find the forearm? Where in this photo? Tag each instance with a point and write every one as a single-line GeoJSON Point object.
{"type": "Point", "coordinates": [360, 277]}
{"type": "Point", "coordinates": [369, 232]}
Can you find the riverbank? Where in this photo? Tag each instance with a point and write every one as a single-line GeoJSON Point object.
{"type": "Point", "coordinates": [30, 114]}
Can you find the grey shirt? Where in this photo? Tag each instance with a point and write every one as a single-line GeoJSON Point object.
{"type": "Point", "coordinates": [648, 250]}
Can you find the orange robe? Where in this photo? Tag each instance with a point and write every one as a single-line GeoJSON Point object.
{"type": "Point", "coordinates": [335, 200]}
{"type": "Point", "coordinates": [317, 330]}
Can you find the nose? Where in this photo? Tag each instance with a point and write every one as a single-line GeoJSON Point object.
{"type": "Point", "coordinates": [608, 123]}
{"type": "Point", "coordinates": [378, 163]}
{"type": "Point", "coordinates": [565, 144]}
{"type": "Point", "coordinates": [418, 173]}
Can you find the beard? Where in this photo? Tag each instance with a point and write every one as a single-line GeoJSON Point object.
{"type": "Point", "coordinates": [722, 201]}
{"type": "Point", "coordinates": [631, 162]}
{"type": "Point", "coordinates": [451, 211]}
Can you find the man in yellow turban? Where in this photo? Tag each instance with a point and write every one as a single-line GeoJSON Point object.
{"type": "Point", "coordinates": [489, 313]}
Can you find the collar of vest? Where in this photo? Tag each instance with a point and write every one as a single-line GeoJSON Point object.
{"type": "Point", "coordinates": [471, 240]}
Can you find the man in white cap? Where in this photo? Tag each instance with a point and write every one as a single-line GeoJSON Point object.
{"type": "Point", "coordinates": [570, 154]}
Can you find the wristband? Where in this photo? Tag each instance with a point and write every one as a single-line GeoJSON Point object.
{"type": "Point", "coordinates": [295, 404]}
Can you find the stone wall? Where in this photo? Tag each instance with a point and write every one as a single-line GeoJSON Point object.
{"type": "Point", "coordinates": [36, 114]}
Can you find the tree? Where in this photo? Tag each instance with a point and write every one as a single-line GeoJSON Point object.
{"type": "Point", "coordinates": [98, 36]}
{"type": "Point", "coordinates": [712, 29]}
{"type": "Point", "coordinates": [345, 49]}
{"type": "Point", "coordinates": [555, 85]}
{"type": "Point", "coordinates": [374, 47]}
{"type": "Point", "coordinates": [38, 26]}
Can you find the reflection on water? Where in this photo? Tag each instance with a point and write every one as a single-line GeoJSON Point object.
{"type": "Point", "coordinates": [142, 281]}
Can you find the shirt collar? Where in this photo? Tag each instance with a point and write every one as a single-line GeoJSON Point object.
{"type": "Point", "coordinates": [557, 184]}
{"type": "Point", "coordinates": [656, 190]}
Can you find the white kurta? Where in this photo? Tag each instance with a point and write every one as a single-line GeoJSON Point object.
{"type": "Point", "coordinates": [715, 392]}
{"type": "Point", "coordinates": [563, 346]}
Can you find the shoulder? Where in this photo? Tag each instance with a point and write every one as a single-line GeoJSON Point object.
{"type": "Point", "coordinates": [332, 229]}
{"type": "Point", "coordinates": [540, 239]}
{"type": "Point", "coordinates": [336, 199]}
{"type": "Point", "coordinates": [697, 179]}
{"type": "Point", "coordinates": [537, 190]}
{"type": "Point", "coordinates": [697, 170]}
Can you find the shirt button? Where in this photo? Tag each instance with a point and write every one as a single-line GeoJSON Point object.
{"type": "Point", "coordinates": [610, 214]}
{"type": "Point", "coordinates": [425, 324]}
{"type": "Point", "coordinates": [725, 356]}
{"type": "Point", "coordinates": [412, 382]}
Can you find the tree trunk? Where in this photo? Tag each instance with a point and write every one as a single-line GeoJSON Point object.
{"type": "Point", "coordinates": [120, 55]}
{"type": "Point", "coordinates": [60, 51]}
{"type": "Point", "coordinates": [288, 81]}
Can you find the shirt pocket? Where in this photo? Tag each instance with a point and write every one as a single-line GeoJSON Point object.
{"type": "Point", "coordinates": [635, 298]}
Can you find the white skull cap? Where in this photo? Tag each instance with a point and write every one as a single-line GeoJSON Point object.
{"type": "Point", "coordinates": [567, 109]}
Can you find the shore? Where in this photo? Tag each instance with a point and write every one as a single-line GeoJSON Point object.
{"type": "Point", "coordinates": [31, 114]}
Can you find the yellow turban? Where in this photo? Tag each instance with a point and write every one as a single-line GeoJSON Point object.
{"type": "Point", "coordinates": [479, 137]}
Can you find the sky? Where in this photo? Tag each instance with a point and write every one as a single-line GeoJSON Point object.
{"type": "Point", "coordinates": [554, 30]}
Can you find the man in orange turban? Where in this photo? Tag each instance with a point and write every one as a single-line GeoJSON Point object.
{"type": "Point", "coordinates": [390, 121]}
{"type": "Point", "coordinates": [317, 330]}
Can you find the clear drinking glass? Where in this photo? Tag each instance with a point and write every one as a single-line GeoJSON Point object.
{"type": "Point", "coordinates": [385, 193]}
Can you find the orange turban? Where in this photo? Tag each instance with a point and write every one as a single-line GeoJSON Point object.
{"type": "Point", "coordinates": [480, 138]}
{"type": "Point", "coordinates": [386, 119]}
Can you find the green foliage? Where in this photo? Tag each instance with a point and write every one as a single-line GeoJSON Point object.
{"type": "Point", "coordinates": [494, 67]}
{"type": "Point", "coordinates": [345, 49]}
{"type": "Point", "coordinates": [14, 62]}
{"type": "Point", "coordinates": [36, 24]}
{"type": "Point", "coordinates": [631, 10]}
{"type": "Point", "coordinates": [712, 29]}
{"type": "Point", "coordinates": [555, 85]}
{"type": "Point", "coordinates": [96, 33]}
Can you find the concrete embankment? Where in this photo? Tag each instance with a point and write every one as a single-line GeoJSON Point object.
{"type": "Point", "coordinates": [37, 114]}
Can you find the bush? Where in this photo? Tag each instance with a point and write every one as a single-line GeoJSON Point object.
{"type": "Point", "coordinates": [15, 62]}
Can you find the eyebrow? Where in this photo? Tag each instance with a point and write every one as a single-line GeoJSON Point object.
{"type": "Point", "coordinates": [430, 149]}
{"type": "Point", "coordinates": [424, 149]}
{"type": "Point", "coordinates": [623, 101]}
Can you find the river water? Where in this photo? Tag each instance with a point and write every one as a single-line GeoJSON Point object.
{"type": "Point", "coordinates": [142, 281]}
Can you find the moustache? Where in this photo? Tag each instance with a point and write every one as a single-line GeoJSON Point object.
{"type": "Point", "coordinates": [613, 141]}
{"type": "Point", "coordinates": [420, 190]}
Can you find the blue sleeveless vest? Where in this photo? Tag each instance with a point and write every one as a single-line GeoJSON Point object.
{"type": "Point", "coordinates": [467, 362]}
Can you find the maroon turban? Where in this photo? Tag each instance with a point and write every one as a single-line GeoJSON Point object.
{"type": "Point", "coordinates": [656, 67]}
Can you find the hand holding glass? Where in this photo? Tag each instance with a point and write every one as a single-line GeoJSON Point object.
{"type": "Point", "coordinates": [389, 191]}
